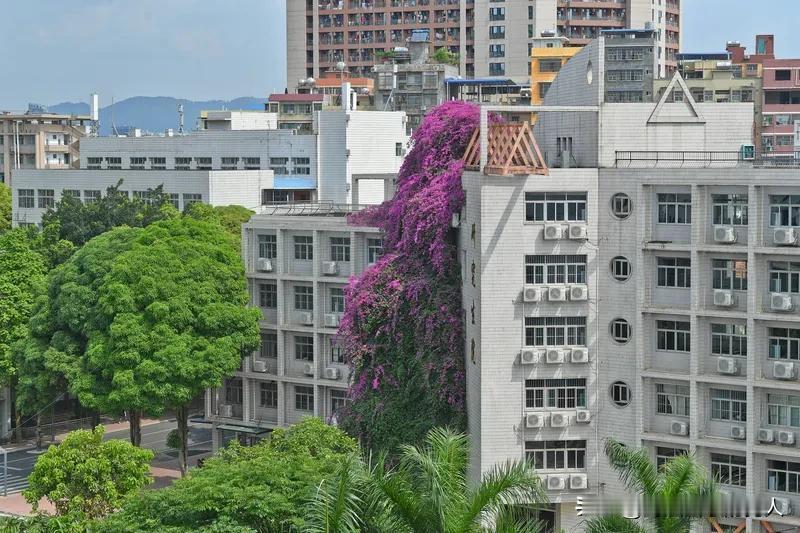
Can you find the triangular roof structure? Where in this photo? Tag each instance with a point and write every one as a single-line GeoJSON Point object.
{"type": "Point", "coordinates": [690, 112]}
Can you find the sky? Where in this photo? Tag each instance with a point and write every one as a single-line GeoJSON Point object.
{"type": "Point", "coordinates": [56, 51]}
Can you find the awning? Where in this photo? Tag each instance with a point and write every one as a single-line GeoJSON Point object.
{"type": "Point", "coordinates": [294, 182]}
{"type": "Point", "coordinates": [244, 429]}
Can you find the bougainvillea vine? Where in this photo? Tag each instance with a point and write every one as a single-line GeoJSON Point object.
{"type": "Point", "coordinates": [402, 331]}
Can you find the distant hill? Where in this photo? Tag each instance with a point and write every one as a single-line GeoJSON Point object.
{"type": "Point", "coordinates": [156, 113]}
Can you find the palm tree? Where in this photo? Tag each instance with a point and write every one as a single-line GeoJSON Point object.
{"type": "Point", "coordinates": [426, 491]}
{"type": "Point", "coordinates": [681, 481]}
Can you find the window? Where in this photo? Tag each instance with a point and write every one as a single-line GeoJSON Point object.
{"type": "Point", "coordinates": [729, 469]}
{"type": "Point", "coordinates": [71, 193]}
{"type": "Point", "coordinates": [730, 274]}
{"type": "Point", "coordinates": [544, 86]}
{"type": "Point", "coordinates": [784, 343]}
{"type": "Point", "coordinates": [337, 300]}
{"type": "Point", "coordinates": [269, 345]}
{"type": "Point", "coordinates": [144, 196]}
{"type": "Point", "coordinates": [181, 163]}
{"type": "Point", "coordinates": [303, 398]}
{"type": "Point", "coordinates": [304, 348]}
{"type": "Point", "coordinates": [252, 163]}
{"type": "Point", "coordinates": [674, 272]}
{"type": "Point", "coordinates": [268, 295]}
{"type": "Point", "coordinates": [374, 250]}
{"type": "Point", "coordinates": [729, 209]}
{"type": "Point", "coordinates": [338, 400]}
{"type": "Point", "coordinates": [267, 246]}
{"type": "Point", "coordinates": [114, 163]}
{"type": "Point", "coordinates": [497, 32]}
{"type": "Point", "coordinates": [783, 476]}
{"type": "Point", "coordinates": [497, 50]}
{"type": "Point", "coordinates": [497, 13]}
{"type": "Point", "coordinates": [620, 268]}
{"type": "Point", "coordinates": [555, 207]}
{"type": "Point", "coordinates": [26, 198]}
{"type": "Point", "coordinates": [301, 166]}
{"type": "Point", "coordinates": [663, 455]}
{"type": "Point", "coordinates": [784, 210]}
{"type": "Point", "coordinates": [398, 150]}
{"type": "Point", "coordinates": [340, 248]}
{"type": "Point", "coordinates": [93, 163]}
{"type": "Point", "coordinates": [672, 399]}
{"type": "Point", "coordinates": [336, 351]}
{"type": "Point", "coordinates": [672, 336]}
{"type": "Point", "coordinates": [555, 393]}
{"type": "Point", "coordinates": [729, 339]}
{"type": "Point", "coordinates": [90, 197]}
{"type": "Point", "coordinates": [635, 75]}
{"type": "Point", "coordinates": [233, 391]}
{"type": "Point", "coordinates": [497, 69]}
{"type": "Point", "coordinates": [556, 454]}
{"type": "Point", "coordinates": [783, 410]}
{"type": "Point", "coordinates": [783, 75]}
{"type": "Point", "coordinates": [674, 208]}
{"type": "Point", "coordinates": [620, 330]}
{"type": "Point", "coordinates": [203, 163]}
{"type": "Point", "coordinates": [729, 405]}
{"type": "Point", "coordinates": [279, 165]}
{"type": "Point", "coordinates": [303, 298]}
{"type": "Point", "coordinates": [555, 331]}
{"type": "Point", "coordinates": [191, 198]}
{"type": "Point", "coordinates": [137, 163]}
{"type": "Point", "coordinates": [47, 198]}
{"type": "Point", "coordinates": [784, 276]}
{"type": "Point", "coordinates": [621, 205]}
{"type": "Point", "coordinates": [549, 65]}
{"type": "Point", "coordinates": [620, 393]}
{"type": "Point", "coordinates": [304, 247]}
{"type": "Point", "coordinates": [555, 269]}
{"type": "Point", "coordinates": [268, 394]}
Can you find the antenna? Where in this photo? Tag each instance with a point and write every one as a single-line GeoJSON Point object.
{"type": "Point", "coordinates": [180, 119]}
{"type": "Point", "coordinates": [113, 126]}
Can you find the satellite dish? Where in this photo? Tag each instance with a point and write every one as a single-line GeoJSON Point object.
{"type": "Point", "coordinates": [340, 66]}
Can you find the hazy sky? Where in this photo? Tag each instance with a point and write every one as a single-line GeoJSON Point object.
{"type": "Point", "coordinates": [56, 51]}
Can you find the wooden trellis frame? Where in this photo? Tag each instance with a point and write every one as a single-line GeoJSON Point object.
{"type": "Point", "coordinates": [512, 150]}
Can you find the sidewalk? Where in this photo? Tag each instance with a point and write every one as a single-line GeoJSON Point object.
{"type": "Point", "coordinates": [109, 427]}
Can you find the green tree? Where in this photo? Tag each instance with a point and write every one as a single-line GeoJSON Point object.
{"type": "Point", "coordinates": [144, 319]}
{"type": "Point", "coordinates": [443, 55]}
{"type": "Point", "coordinates": [265, 487]}
{"type": "Point", "coordinates": [427, 491]}
{"type": "Point", "coordinates": [681, 483]}
{"type": "Point", "coordinates": [87, 478]}
{"type": "Point", "coordinates": [5, 207]}
{"type": "Point", "coordinates": [231, 217]}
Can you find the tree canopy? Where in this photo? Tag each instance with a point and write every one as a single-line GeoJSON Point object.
{"type": "Point", "coordinates": [231, 217]}
{"type": "Point", "coordinates": [5, 207]}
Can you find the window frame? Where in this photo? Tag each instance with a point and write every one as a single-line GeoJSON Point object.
{"type": "Point", "coordinates": [673, 336]}
{"type": "Point", "coordinates": [303, 247]}
{"type": "Point", "coordinates": [540, 331]}
{"type": "Point", "coordinates": [268, 394]}
{"type": "Point", "coordinates": [556, 393]}
{"type": "Point", "coordinates": [340, 249]}
{"type": "Point", "coordinates": [727, 471]}
{"type": "Point", "coordinates": [726, 274]}
{"type": "Point", "coordinates": [674, 208]}
{"type": "Point", "coordinates": [783, 410]}
{"type": "Point", "coordinates": [729, 210]}
{"type": "Point", "coordinates": [789, 470]}
{"type": "Point", "coordinates": [725, 337]}
{"type": "Point", "coordinates": [541, 269]}
{"type": "Point", "coordinates": [673, 400]}
{"type": "Point", "coordinates": [547, 207]}
{"type": "Point", "coordinates": [267, 295]}
{"type": "Point", "coordinates": [267, 246]}
{"type": "Point", "coordinates": [303, 398]}
{"type": "Point", "coordinates": [556, 455]}
{"type": "Point", "coordinates": [303, 298]}
{"type": "Point", "coordinates": [617, 390]}
{"type": "Point", "coordinates": [727, 405]}
{"type": "Point", "coordinates": [621, 206]}
{"type": "Point", "coordinates": [673, 272]}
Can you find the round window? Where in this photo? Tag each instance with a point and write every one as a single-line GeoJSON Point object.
{"type": "Point", "coordinates": [620, 330]}
{"type": "Point", "coordinates": [620, 393]}
{"type": "Point", "coordinates": [621, 268]}
{"type": "Point", "coordinates": [621, 205]}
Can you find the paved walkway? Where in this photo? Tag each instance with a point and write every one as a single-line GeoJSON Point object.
{"type": "Point", "coordinates": [110, 428]}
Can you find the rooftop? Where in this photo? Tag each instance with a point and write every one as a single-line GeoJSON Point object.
{"type": "Point", "coordinates": [309, 209]}
{"type": "Point", "coordinates": [296, 97]}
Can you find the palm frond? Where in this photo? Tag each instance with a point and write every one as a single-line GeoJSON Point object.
{"type": "Point", "coordinates": [338, 504]}
{"type": "Point", "coordinates": [399, 497]}
{"type": "Point", "coordinates": [518, 519]}
{"type": "Point", "coordinates": [634, 468]}
{"type": "Point", "coordinates": [614, 523]}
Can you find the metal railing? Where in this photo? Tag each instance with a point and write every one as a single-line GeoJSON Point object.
{"type": "Point", "coordinates": [310, 209]}
{"type": "Point", "coordinates": [676, 159]}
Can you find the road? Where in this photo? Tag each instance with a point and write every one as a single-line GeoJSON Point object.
{"type": "Point", "coordinates": [154, 437]}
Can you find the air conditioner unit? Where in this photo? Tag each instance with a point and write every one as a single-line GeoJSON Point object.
{"type": "Point", "coordinates": [679, 428]}
{"type": "Point", "coordinates": [738, 432]}
{"type": "Point", "coordinates": [306, 318]}
{"type": "Point", "coordinates": [226, 410]}
{"type": "Point", "coordinates": [308, 369]}
{"type": "Point", "coordinates": [557, 293]}
{"type": "Point", "coordinates": [727, 365]}
{"type": "Point", "coordinates": [579, 355]}
{"type": "Point", "coordinates": [527, 357]}
{"type": "Point", "coordinates": [578, 481]}
{"type": "Point", "coordinates": [783, 506]}
{"type": "Point", "coordinates": [766, 435]}
{"type": "Point", "coordinates": [559, 420]}
{"type": "Point", "coordinates": [578, 231]}
{"type": "Point", "coordinates": [724, 234]}
{"type": "Point", "coordinates": [554, 356]}
{"type": "Point", "coordinates": [259, 365]}
{"type": "Point", "coordinates": [552, 232]}
{"type": "Point", "coordinates": [784, 236]}
{"type": "Point", "coordinates": [535, 420]}
{"type": "Point", "coordinates": [264, 264]}
{"type": "Point", "coordinates": [783, 370]}
{"type": "Point", "coordinates": [583, 416]}
{"type": "Point", "coordinates": [723, 297]}
{"type": "Point", "coordinates": [786, 437]}
{"type": "Point", "coordinates": [330, 268]}
{"type": "Point", "coordinates": [331, 320]}
{"type": "Point", "coordinates": [532, 294]}
{"type": "Point", "coordinates": [556, 482]}
{"type": "Point", "coordinates": [780, 302]}
{"type": "Point", "coordinates": [331, 373]}
{"type": "Point", "coordinates": [578, 292]}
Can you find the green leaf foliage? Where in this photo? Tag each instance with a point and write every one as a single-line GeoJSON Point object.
{"type": "Point", "coordinates": [5, 207]}
{"type": "Point", "coordinates": [87, 478]}
{"type": "Point", "coordinates": [231, 217]}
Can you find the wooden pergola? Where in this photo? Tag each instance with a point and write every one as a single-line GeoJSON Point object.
{"type": "Point", "coordinates": [512, 150]}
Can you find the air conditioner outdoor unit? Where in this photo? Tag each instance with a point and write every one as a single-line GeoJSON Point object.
{"type": "Point", "coordinates": [579, 355]}
{"type": "Point", "coordinates": [578, 292]}
{"type": "Point", "coordinates": [679, 428]}
{"type": "Point", "coordinates": [330, 268]}
{"type": "Point", "coordinates": [583, 416]}
{"type": "Point", "coordinates": [786, 437]}
{"type": "Point", "coordinates": [535, 420]}
{"type": "Point", "coordinates": [727, 365]}
{"type": "Point", "coordinates": [556, 482]}
{"type": "Point", "coordinates": [766, 435]}
{"type": "Point", "coordinates": [552, 232]}
{"type": "Point", "coordinates": [578, 231]}
{"type": "Point", "coordinates": [331, 320]}
{"type": "Point", "coordinates": [532, 294]}
{"type": "Point", "coordinates": [784, 236]}
{"type": "Point", "coordinates": [724, 234]}
{"type": "Point", "coordinates": [738, 432]}
{"type": "Point", "coordinates": [557, 293]}
{"type": "Point", "coordinates": [331, 373]}
{"type": "Point", "coordinates": [783, 370]}
{"type": "Point", "coordinates": [306, 318]}
{"type": "Point", "coordinates": [308, 369]}
{"type": "Point", "coordinates": [578, 481]}
{"type": "Point", "coordinates": [780, 302]}
{"type": "Point", "coordinates": [264, 264]}
{"type": "Point", "coordinates": [527, 357]}
{"type": "Point", "coordinates": [259, 365]}
{"type": "Point", "coordinates": [723, 297]}
{"type": "Point", "coordinates": [559, 420]}
{"type": "Point", "coordinates": [554, 356]}
{"type": "Point", "coordinates": [783, 506]}
{"type": "Point", "coordinates": [226, 410]}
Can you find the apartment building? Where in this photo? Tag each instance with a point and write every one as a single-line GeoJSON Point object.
{"type": "Point", "coordinates": [39, 140]}
{"type": "Point", "coordinates": [655, 300]}
{"type": "Point", "coordinates": [297, 260]}
{"type": "Point", "coordinates": [548, 55]}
